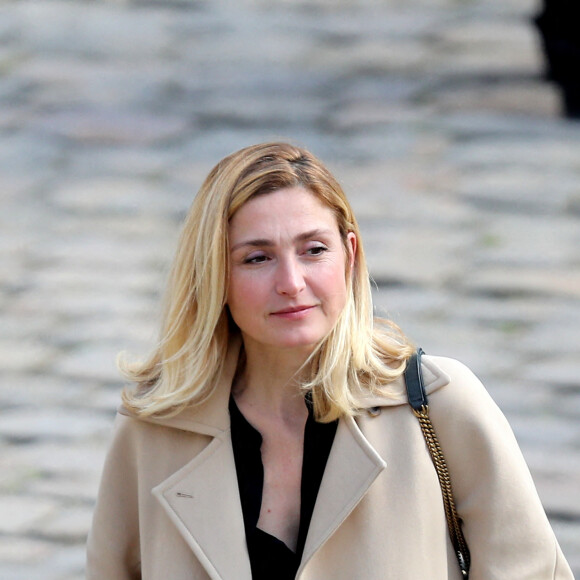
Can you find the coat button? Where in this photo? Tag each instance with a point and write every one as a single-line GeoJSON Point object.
{"type": "Point", "coordinates": [374, 411]}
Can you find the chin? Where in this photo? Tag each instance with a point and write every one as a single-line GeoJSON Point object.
{"type": "Point", "coordinates": [306, 343]}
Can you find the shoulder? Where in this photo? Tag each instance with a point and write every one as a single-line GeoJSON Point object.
{"type": "Point", "coordinates": [130, 425]}
{"type": "Point", "coordinates": [133, 435]}
{"type": "Point", "coordinates": [127, 436]}
{"type": "Point", "coordinates": [473, 432]}
{"type": "Point", "coordinates": [150, 451]}
{"type": "Point", "coordinates": [440, 375]}
{"type": "Point", "coordinates": [456, 383]}
{"type": "Point", "coordinates": [441, 371]}
{"type": "Point", "coordinates": [462, 411]}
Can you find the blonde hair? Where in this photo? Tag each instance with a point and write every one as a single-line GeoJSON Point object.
{"type": "Point", "coordinates": [360, 355]}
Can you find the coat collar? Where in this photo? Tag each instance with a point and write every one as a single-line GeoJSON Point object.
{"type": "Point", "coordinates": [212, 417]}
{"type": "Point", "coordinates": [433, 378]}
{"type": "Point", "coordinates": [202, 498]}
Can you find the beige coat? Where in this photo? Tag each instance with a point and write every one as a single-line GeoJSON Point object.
{"type": "Point", "coordinates": [169, 509]}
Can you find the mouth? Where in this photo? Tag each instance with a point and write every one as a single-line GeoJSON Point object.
{"type": "Point", "coordinates": [292, 311]}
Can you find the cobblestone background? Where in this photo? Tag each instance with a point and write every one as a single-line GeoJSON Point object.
{"type": "Point", "coordinates": [433, 114]}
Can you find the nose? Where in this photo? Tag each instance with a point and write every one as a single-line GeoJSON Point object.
{"type": "Point", "coordinates": [289, 277]}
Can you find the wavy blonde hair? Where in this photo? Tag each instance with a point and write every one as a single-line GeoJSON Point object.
{"type": "Point", "coordinates": [361, 354]}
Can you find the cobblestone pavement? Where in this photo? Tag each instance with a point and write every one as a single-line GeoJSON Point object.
{"type": "Point", "coordinates": [432, 113]}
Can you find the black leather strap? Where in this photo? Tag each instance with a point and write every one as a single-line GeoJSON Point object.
{"type": "Point", "coordinates": [414, 382]}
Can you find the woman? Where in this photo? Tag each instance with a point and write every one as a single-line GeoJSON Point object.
{"type": "Point", "coordinates": [269, 434]}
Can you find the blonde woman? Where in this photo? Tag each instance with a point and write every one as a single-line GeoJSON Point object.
{"type": "Point", "coordinates": [268, 435]}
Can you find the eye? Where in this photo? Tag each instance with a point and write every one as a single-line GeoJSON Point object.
{"type": "Point", "coordinates": [255, 259]}
{"type": "Point", "coordinates": [317, 250]}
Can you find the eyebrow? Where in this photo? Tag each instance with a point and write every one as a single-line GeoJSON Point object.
{"type": "Point", "coordinates": [265, 242]}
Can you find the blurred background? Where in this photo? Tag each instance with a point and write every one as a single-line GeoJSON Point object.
{"type": "Point", "coordinates": [434, 114]}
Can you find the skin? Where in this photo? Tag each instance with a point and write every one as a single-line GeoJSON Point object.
{"type": "Point", "coordinates": [287, 290]}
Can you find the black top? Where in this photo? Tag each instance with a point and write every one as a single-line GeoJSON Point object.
{"type": "Point", "coordinates": [269, 556]}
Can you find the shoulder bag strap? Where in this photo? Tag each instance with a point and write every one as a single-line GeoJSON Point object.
{"type": "Point", "coordinates": [420, 406]}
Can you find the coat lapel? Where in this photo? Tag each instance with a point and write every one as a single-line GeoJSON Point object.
{"type": "Point", "coordinates": [353, 465]}
{"type": "Point", "coordinates": [202, 500]}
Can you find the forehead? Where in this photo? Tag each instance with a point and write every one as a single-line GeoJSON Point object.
{"type": "Point", "coordinates": [281, 210]}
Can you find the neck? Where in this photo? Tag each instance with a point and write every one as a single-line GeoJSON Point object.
{"type": "Point", "coordinates": [270, 381]}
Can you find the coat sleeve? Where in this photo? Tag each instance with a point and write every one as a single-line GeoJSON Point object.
{"type": "Point", "coordinates": [113, 551]}
{"type": "Point", "coordinates": [506, 528]}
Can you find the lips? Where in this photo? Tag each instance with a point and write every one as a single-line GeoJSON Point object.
{"type": "Point", "coordinates": [293, 311]}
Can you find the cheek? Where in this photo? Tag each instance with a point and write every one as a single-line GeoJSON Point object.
{"type": "Point", "coordinates": [333, 286]}
{"type": "Point", "coordinates": [244, 291]}
{"type": "Point", "coordinates": [239, 302]}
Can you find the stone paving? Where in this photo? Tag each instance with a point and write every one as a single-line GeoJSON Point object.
{"type": "Point", "coordinates": [433, 114]}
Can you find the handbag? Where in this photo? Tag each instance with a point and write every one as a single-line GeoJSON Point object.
{"type": "Point", "coordinates": [420, 406]}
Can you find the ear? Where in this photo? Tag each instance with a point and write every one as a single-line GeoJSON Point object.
{"type": "Point", "coordinates": [351, 244]}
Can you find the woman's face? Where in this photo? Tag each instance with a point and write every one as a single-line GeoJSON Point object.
{"type": "Point", "coordinates": [288, 270]}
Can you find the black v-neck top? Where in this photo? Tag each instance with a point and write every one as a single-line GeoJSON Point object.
{"type": "Point", "coordinates": [269, 556]}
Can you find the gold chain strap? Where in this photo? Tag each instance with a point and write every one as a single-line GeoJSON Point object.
{"type": "Point", "coordinates": [453, 520]}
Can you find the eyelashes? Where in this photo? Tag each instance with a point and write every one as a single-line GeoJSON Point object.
{"type": "Point", "coordinates": [255, 259]}
{"type": "Point", "coordinates": [314, 252]}
{"type": "Point", "coordinates": [317, 250]}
